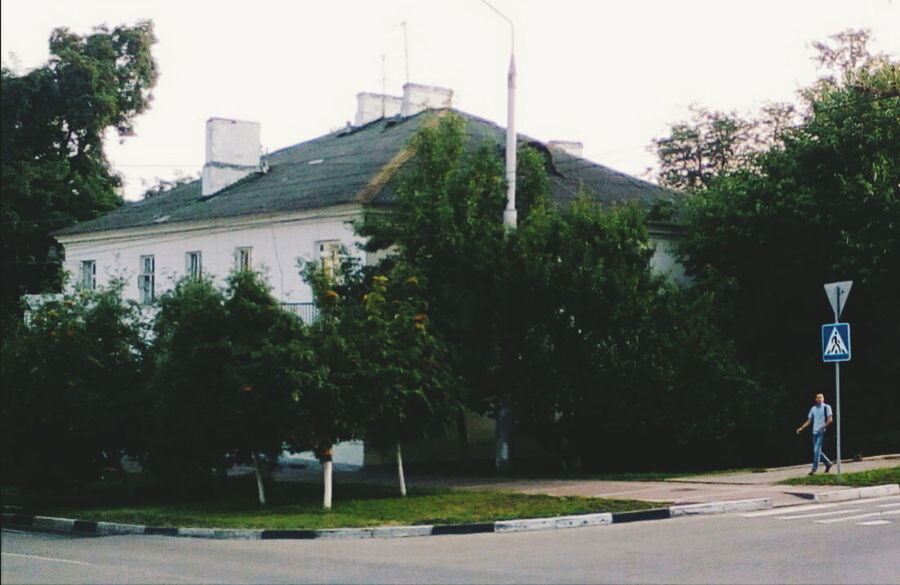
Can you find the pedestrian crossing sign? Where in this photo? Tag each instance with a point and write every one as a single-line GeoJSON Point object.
{"type": "Point", "coordinates": [836, 342]}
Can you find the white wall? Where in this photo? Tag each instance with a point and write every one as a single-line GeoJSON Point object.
{"type": "Point", "coordinates": [277, 244]}
{"type": "Point", "coordinates": [663, 260]}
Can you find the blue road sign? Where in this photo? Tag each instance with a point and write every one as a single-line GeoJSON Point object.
{"type": "Point", "coordinates": [836, 342]}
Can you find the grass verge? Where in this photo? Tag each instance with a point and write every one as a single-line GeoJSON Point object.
{"type": "Point", "coordinates": [858, 479]}
{"type": "Point", "coordinates": [294, 505]}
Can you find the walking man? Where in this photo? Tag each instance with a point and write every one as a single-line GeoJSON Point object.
{"type": "Point", "coordinates": [819, 417]}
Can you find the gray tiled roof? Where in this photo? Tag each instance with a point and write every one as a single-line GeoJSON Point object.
{"type": "Point", "coordinates": [345, 166]}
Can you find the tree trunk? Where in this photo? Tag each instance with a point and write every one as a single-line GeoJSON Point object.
{"type": "Point", "coordinates": [327, 476]}
{"type": "Point", "coordinates": [400, 472]}
{"type": "Point", "coordinates": [503, 437]}
{"type": "Point", "coordinates": [260, 485]}
{"type": "Point", "coordinates": [462, 433]}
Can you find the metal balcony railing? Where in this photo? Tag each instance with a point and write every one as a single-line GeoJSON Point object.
{"type": "Point", "coordinates": [307, 312]}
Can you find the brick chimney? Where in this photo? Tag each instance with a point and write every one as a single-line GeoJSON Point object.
{"type": "Point", "coordinates": [417, 98]}
{"type": "Point", "coordinates": [232, 153]}
{"type": "Point", "coordinates": [571, 148]}
{"type": "Point", "coordinates": [374, 106]}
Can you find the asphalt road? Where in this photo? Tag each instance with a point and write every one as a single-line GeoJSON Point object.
{"type": "Point", "coordinates": [848, 542]}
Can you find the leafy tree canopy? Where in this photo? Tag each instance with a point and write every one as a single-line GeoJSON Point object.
{"type": "Point", "coordinates": [224, 377]}
{"type": "Point", "coordinates": [53, 167]}
{"type": "Point", "coordinates": [562, 321]}
{"type": "Point", "coordinates": [71, 379]}
{"type": "Point", "coordinates": [446, 227]}
{"type": "Point", "coordinates": [820, 206]}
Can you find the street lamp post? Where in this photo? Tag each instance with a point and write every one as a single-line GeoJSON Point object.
{"type": "Point", "coordinates": [505, 417]}
{"type": "Point", "coordinates": [510, 214]}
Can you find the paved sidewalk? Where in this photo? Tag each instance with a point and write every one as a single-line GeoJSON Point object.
{"type": "Point", "coordinates": [687, 490]}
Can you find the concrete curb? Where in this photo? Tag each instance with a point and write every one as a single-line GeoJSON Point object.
{"type": "Point", "coordinates": [553, 523]}
{"type": "Point", "coordinates": [874, 491]}
{"type": "Point", "coordinates": [500, 526]}
{"type": "Point", "coordinates": [721, 507]}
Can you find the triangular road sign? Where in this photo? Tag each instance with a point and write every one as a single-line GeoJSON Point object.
{"type": "Point", "coordinates": [835, 345]}
{"type": "Point", "coordinates": [836, 342]}
{"type": "Point", "coordinates": [837, 293]}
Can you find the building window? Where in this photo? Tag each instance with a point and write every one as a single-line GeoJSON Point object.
{"type": "Point", "coordinates": [194, 264]}
{"type": "Point", "coordinates": [242, 259]}
{"type": "Point", "coordinates": [147, 280]}
{"type": "Point", "coordinates": [329, 257]}
{"type": "Point", "coordinates": [88, 278]}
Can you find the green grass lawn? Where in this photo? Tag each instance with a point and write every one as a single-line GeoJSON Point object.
{"type": "Point", "coordinates": [293, 505]}
{"type": "Point", "coordinates": [858, 479]}
{"type": "Point", "coordinates": [232, 503]}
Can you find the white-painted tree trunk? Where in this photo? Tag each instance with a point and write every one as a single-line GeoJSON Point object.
{"type": "Point", "coordinates": [327, 476]}
{"type": "Point", "coordinates": [260, 485]}
{"type": "Point", "coordinates": [400, 472]}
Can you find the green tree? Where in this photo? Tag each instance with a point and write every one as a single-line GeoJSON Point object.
{"type": "Point", "coordinates": [556, 320]}
{"type": "Point", "coordinates": [710, 144]}
{"type": "Point", "coordinates": [386, 375]}
{"type": "Point", "coordinates": [53, 170]}
{"type": "Point", "coordinates": [72, 377]}
{"type": "Point", "coordinates": [623, 357]}
{"type": "Point", "coordinates": [330, 406]}
{"type": "Point", "coordinates": [193, 398]}
{"type": "Point", "coordinates": [446, 226]}
{"type": "Point", "coordinates": [404, 374]}
{"type": "Point", "coordinates": [224, 381]}
{"type": "Point", "coordinates": [821, 207]}
{"type": "Point", "coordinates": [410, 392]}
{"type": "Point", "coordinates": [263, 340]}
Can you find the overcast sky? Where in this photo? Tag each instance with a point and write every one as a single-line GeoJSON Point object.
{"type": "Point", "coordinates": [612, 75]}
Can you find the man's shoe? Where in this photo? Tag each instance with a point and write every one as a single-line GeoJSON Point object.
{"type": "Point", "coordinates": [811, 473]}
{"type": "Point", "coordinates": [827, 467]}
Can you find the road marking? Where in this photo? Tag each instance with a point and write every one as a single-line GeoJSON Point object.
{"type": "Point", "coordinates": [6, 554]}
{"type": "Point", "coordinates": [860, 517]}
{"type": "Point", "coordinates": [889, 505]}
{"type": "Point", "coordinates": [881, 499]}
{"type": "Point", "coordinates": [788, 510]}
{"type": "Point", "coordinates": [875, 523]}
{"type": "Point", "coordinates": [799, 516]}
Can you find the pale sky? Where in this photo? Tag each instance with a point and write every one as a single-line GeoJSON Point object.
{"type": "Point", "coordinates": [612, 75]}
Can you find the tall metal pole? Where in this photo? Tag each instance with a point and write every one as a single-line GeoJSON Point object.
{"type": "Point", "coordinates": [837, 390]}
{"type": "Point", "coordinates": [510, 215]}
{"type": "Point", "coordinates": [838, 289]}
{"type": "Point", "coordinates": [505, 415]}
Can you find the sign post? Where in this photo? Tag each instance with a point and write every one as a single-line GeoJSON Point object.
{"type": "Point", "coordinates": [836, 348]}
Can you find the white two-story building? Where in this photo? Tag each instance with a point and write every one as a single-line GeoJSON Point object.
{"type": "Point", "coordinates": [297, 204]}
{"type": "Point", "coordinates": [268, 213]}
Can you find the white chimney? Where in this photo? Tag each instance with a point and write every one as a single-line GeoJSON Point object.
{"type": "Point", "coordinates": [417, 98]}
{"type": "Point", "coordinates": [232, 153]}
{"type": "Point", "coordinates": [571, 148]}
{"type": "Point", "coordinates": [374, 106]}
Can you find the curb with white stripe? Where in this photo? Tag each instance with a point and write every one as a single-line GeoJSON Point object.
{"type": "Point", "coordinates": [500, 526]}
{"type": "Point", "coordinates": [722, 507]}
{"type": "Point", "coordinates": [874, 491]}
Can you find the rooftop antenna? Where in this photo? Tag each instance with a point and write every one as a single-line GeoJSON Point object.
{"type": "Point", "coordinates": [383, 84]}
{"type": "Point", "coordinates": [406, 49]}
